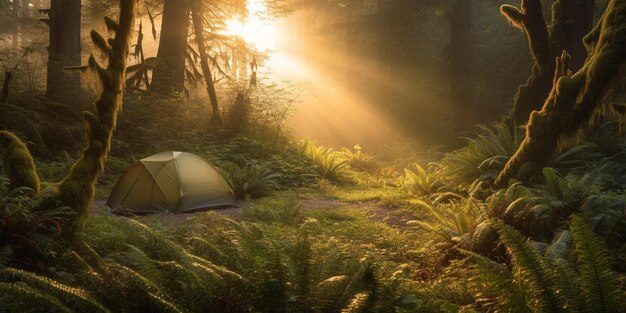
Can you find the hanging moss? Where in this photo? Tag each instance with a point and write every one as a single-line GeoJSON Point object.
{"type": "Point", "coordinates": [577, 100]}
{"type": "Point", "coordinates": [546, 42]}
{"type": "Point", "coordinates": [77, 190]}
{"type": "Point", "coordinates": [18, 163]}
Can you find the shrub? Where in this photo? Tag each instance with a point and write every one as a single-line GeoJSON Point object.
{"type": "Point", "coordinates": [327, 162]}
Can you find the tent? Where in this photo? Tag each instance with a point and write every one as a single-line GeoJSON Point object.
{"type": "Point", "coordinates": [170, 182]}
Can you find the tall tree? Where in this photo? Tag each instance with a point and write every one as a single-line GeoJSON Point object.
{"type": "Point", "coordinates": [198, 26]}
{"type": "Point", "coordinates": [571, 20]}
{"type": "Point", "coordinates": [169, 75]}
{"type": "Point", "coordinates": [460, 63]}
{"type": "Point", "coordinates": [77, 189]}
{"type": "Point", "coordinates": [575, 101]}
{"type": "Point", "coordinates": [64, 49]}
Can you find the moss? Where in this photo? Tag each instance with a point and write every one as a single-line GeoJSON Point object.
{"type": "Point", "coordinates": [546, 41]}
{"type": "Point", "coordinates": [19, 165]}
{"type": "Point", "coordinates": [575, 100]}
{"type": "Point", "coordinates": [78, 188]}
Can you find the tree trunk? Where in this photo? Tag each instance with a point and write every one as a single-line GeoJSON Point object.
{"type": "Point", "coordinates": [169, 75]}
{"type": "Point", "coordinates": [8, 76]}
{"type": "Point", "coordinates": [576, 101]}
{"type": "Point", "coordinates": [460, 64]}
{"type": "Point", "coordinates": [77, 190]}
{"type": "Point", "coordinates": [571, 21]}
{"type": "Point", "coordinates": [15, 15]}
{"type": "Point", "coordinates": [198, 26]}
{"type": "Point", "coordinates": [63, 50]}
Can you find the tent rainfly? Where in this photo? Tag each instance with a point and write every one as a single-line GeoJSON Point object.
{"type": "Point", "coordinates": [170, 182]}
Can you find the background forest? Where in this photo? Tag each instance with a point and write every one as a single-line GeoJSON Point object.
{"type": "Point", "coordinates": [388, 156]}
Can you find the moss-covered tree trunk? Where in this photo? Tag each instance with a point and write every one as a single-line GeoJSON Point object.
{"type": "Point", "coordinates": [169, 74]}
{"type": "Point", "coordinates": [571, 21]}
{"type": "Point", "coordinates": [575, 101]}
{"type": "Point", "coordinates": [198, 26]}
{"type": "Point", "coordinates": [64, 50]}
{"type": "Point", "coordinates": [77, 189]}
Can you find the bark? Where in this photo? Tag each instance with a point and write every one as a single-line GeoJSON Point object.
{"type": "Point", "coordinates": [575, 101]}
{"type": "Point", "coordinates": [64, 50]}
{"type": "Point", "coordinates": [77, 190]}
{"type": "Point", "coordinates": [169, 75]}
{"type": "Point", "coordinates": [460, 64]}
{"type": "Point", "coordinates": [198, 26]}
{"type": "Point", "coordinates": [8, 76]}
{"type": "Point", "coordinates": [571, 20]}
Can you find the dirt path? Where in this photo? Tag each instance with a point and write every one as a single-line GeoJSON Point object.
{"type": "Point", "coordinates": [372, 209]}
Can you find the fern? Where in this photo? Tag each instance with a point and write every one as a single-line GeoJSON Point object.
{"type": "Point", "coordinates": [359, 304]}
{"type": "Point", "coordinates": [568, 284]}
{"type": "Point", "coordinates": [599, 284]}
{"type": "Point", "coordinates": [482, 158]}
{"type": "Point", "coordinates": [561, 245]}
{"type": "Point", "coordinates": [494, 286]}
{"type": "Point", "coordinates": [302, 262]}
{"type": "Point", "coordinates": [327, 162]}
{"type": "Point", "coordinates": [532, 270]}
{"type": "Point", "coordinates": [75, 298]}
{"type": "Point", "coordinates": [418, 181]}
{"type": "Point", "coordinates": [20, 298]}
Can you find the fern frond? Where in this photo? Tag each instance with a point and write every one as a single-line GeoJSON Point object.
{"type": "Point", "coordinates": [568, 285]}
{"type": "Point", "coordinates": [358, 304]}
{"type": "Point", "coordinates": [531, 269]}
{"type": "Point", "coordinates": [76, 298]}
{"type": "Point", "coordinates": [561, 245]}
{"type": "Point", "coordinates": [163, 305]}
{"type": "Point", "coordinates": [599, 284]}
{"type": "Point", "coordinates": [325, 298]}
{"type": "Point", "coordinates": [19, 298]}
{"type": "Point", "coordinates": [494, 286]}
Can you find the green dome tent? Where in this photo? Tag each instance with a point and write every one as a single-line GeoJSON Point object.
{"type": "Point", "coordinates": [170, 182]}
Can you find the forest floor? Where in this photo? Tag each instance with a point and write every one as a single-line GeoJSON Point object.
{"type": "Point", "coordinates": [312, 199]}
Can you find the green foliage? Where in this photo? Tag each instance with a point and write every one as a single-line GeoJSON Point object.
{"type": "Point", "coordinates": [358, 159]}
{"type": "Point", "coordinates": [549, 282]}
{"type": "Point", "coordinates": [19, 165]}
{"type": "Point", "coordinates": [599, 284]}
{"type": "Point", "coordinates": [285, 210]}
{"type": "Point", "coordinates": [328, 163]}
{"type": "Point", "coordinates": [483, 157]}
{"type": "Point", "coordinates": [27, 234]}
{"type": "Point", "coordinates": [418, 181]}
{"type": "Point", "coordinates": [532, 271]}
{"type": "Point", "coordinates": [255, 168]}
{"type": "Point", "coordinates": [250, 180]}
{"type": "Point", "coordinates": [75, 298]}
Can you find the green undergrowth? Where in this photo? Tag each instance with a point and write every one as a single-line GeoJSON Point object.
{"type": "Point", "coordinates": [325, 261]}
{"type": "Point", "coordinates": [365, 236]}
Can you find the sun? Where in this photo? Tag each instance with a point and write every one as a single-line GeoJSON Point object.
{"type": "Point", "coordinates": [257, 29]}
